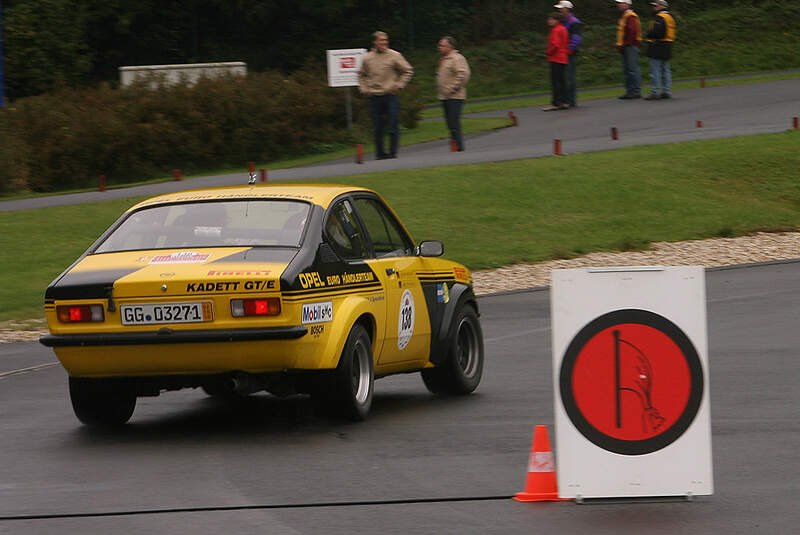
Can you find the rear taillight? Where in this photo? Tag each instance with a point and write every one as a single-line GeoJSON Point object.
{"type": "Point", "coordinates": [255, 307]}
{"type": "Point", "coordinates": [80, 313]}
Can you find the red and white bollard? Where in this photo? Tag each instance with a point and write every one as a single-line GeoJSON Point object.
{"type": "Point", "coordinates": [453, 146]}
{"type": "Point", "coordinates": [263, 175]}
{"type": "Point", "coordinates": [796, 123]}
{"type": "Point", "coordinates": [251, 167]}
{"type": "Point", "coordinates": [176, 174]}
{"type": "Point", "coordinates": [102, 185]}
{"type": "Point", "coordinates": [699, 124]}
{"type": "Point", "coordinates": [557, 147]}
{"type": "Point", "coordinates": [359, 153]}
{"type": "Point", "coordinates": [614, 133]}
{"type": "Point", "coordinates": [702, 82]}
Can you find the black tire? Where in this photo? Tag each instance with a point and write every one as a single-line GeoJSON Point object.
{"type": "Point", "coordinates": [102, 402]}
{"type": "Point", "coordinates": [355, 376]}
{"type": "Point", "coordinates": [461, 371]}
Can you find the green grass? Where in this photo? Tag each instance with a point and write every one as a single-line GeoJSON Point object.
{"type": "Point", "coordinates": [711, 42]}
{"type": "Point", "coordinates": [498, 214]}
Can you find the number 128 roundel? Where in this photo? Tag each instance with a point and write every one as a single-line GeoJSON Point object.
{"type": "Point", "coordinates": [310, 289]}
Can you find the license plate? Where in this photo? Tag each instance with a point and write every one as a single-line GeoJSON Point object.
{"type": "Point", "coordinates": [152, 314]}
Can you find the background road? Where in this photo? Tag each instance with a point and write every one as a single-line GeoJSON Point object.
{"type": "Point", "coordinates": [724, 111]}
{"type": "Point", "coordinates": [266, 465]}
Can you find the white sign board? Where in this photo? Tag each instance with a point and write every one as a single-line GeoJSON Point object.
{"type": "Point", "coordinates": [630, 371]}
{"type": "Point", "coordinates": [343, 66]}
{"type": "Point", "coordinates": [172, 74]}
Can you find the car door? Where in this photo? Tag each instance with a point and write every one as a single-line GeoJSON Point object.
{"type": "Point", "coordinates": [408, 331]}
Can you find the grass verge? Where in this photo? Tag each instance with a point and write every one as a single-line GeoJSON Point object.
{"type": "Point", "coordinates": [498, 214]}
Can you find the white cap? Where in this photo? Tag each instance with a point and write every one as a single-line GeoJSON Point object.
{"type": "Point", "coordinates": [660, 3]}
{"type": "Point", "coordinates": [624, 2]}
{"type": "Point", "coordinates": [564, 3]}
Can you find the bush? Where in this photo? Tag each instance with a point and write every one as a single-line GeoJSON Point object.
{"type": "Point", "coordinates": [66, 139]}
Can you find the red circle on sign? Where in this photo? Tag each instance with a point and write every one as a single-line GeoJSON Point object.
{"type": "Point", "coordinates": [631, 382]}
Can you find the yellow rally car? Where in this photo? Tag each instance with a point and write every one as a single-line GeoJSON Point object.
{"type": "Point", "coordinates": [314, 289]}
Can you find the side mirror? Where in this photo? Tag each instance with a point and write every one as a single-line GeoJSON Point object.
{"type": "Point", "coordinates": [430, 248]}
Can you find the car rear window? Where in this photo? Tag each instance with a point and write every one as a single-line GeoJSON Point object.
{"type": "Point", "coordinates": [211, 224]}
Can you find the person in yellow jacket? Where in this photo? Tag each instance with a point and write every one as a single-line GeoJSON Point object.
{"type": "Point", "coordinates": [451, 81]}
{"type": "Point", "coordinates": [629, 39]}
{"type": "Point", "coordinates": [383, 73]}
{"type": "Point", "coordinates": [660, 37]}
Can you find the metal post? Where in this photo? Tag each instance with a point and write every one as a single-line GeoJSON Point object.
{"type": "Point", "coordinates": [348, 106]}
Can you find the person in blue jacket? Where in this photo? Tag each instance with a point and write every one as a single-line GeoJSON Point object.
{"type": "Point", "coordinates": [573, 25]}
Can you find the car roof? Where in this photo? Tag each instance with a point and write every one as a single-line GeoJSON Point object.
{"type": "Point", "coordinates": [320, 194]}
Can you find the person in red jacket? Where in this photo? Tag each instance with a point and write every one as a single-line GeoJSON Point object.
{"type": "Point", "coordinates": [558, 57]}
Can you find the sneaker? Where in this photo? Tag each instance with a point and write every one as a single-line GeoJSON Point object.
{"type": "Point", "coordinates": [653, 96]}
{"type": "Point", "coordinates": [550, 108]}
{"type": "Point", "coordinates": [628, 96]}
{"type": "Point", "coordinates": [563, 107]}
{"type": "Point", "coordinates": [666, 95]}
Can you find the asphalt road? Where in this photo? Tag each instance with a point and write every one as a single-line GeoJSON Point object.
{"type": "Point", "coordinates": [724, 112]}
{"type": "Point", "coordinates": [189, 464]}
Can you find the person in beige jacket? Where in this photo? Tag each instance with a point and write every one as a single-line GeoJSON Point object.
{"type": "Point", "coordinates": [451, 80]}
{"type": "Point", "coordinates": [383, 73]}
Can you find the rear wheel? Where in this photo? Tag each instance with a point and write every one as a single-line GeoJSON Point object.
{"type": "Point", "coordinates": [355, 376]}
{"type": "Point", "coordinates": [462, 368]}
{"type": "Point", "coordinates": [102, 402]}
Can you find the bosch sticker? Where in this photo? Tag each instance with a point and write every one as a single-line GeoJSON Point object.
{"type": "Point", "coordinates": [318, 312]}
{"type": "Point", "coordinates": [405, 322]}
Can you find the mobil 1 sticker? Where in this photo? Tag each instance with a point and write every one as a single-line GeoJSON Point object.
{"type": "Point", "coordinates": [318, 312]}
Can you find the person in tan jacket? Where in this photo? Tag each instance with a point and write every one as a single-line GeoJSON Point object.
{"type": "Point", "coordinates": [383, 73]}
{"type": "Point", "coordinates": [451, 80]}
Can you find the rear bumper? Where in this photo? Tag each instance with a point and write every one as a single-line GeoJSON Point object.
{"type": "Point", "coordinates": [169, 336]}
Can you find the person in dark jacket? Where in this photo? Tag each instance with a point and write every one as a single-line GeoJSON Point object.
{"type": "Point", "coordinates": [660, 37]}
{"type": "Point", "coordinates": [574, 27]}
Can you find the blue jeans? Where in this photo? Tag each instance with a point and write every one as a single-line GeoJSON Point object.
{"type": "Point", "coordinates": [385, 109]}
{"type": "Point", "coordinates": [630, 69]}
{"type": "Point", "coordinates": [661, 76]}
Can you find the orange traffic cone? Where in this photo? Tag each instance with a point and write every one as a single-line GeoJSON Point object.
{"type": "Point", "coordinates": [541, 485]}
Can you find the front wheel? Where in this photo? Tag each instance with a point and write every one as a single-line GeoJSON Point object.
{"type": "Point", "coordinates": [462, 368]}
{"type": "Point", "coordinates": [355, 376]}
{"type": "Point", "coordinates": [102, 402]}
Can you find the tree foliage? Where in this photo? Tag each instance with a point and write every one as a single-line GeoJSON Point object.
{"type": "Point", "coordinates": [51, 43]}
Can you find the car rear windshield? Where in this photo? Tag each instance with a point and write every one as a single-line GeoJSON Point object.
{"type": "Point", "coordinates": [210, 224]}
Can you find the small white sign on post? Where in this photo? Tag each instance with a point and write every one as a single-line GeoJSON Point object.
{"type": "Point", "coordinates": [343, 66]}
{"type": "Point", "coordinates": [630, 372]}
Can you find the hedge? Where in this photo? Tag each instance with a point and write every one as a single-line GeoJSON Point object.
{"type": "Point", "coordinates": [65, 140]}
